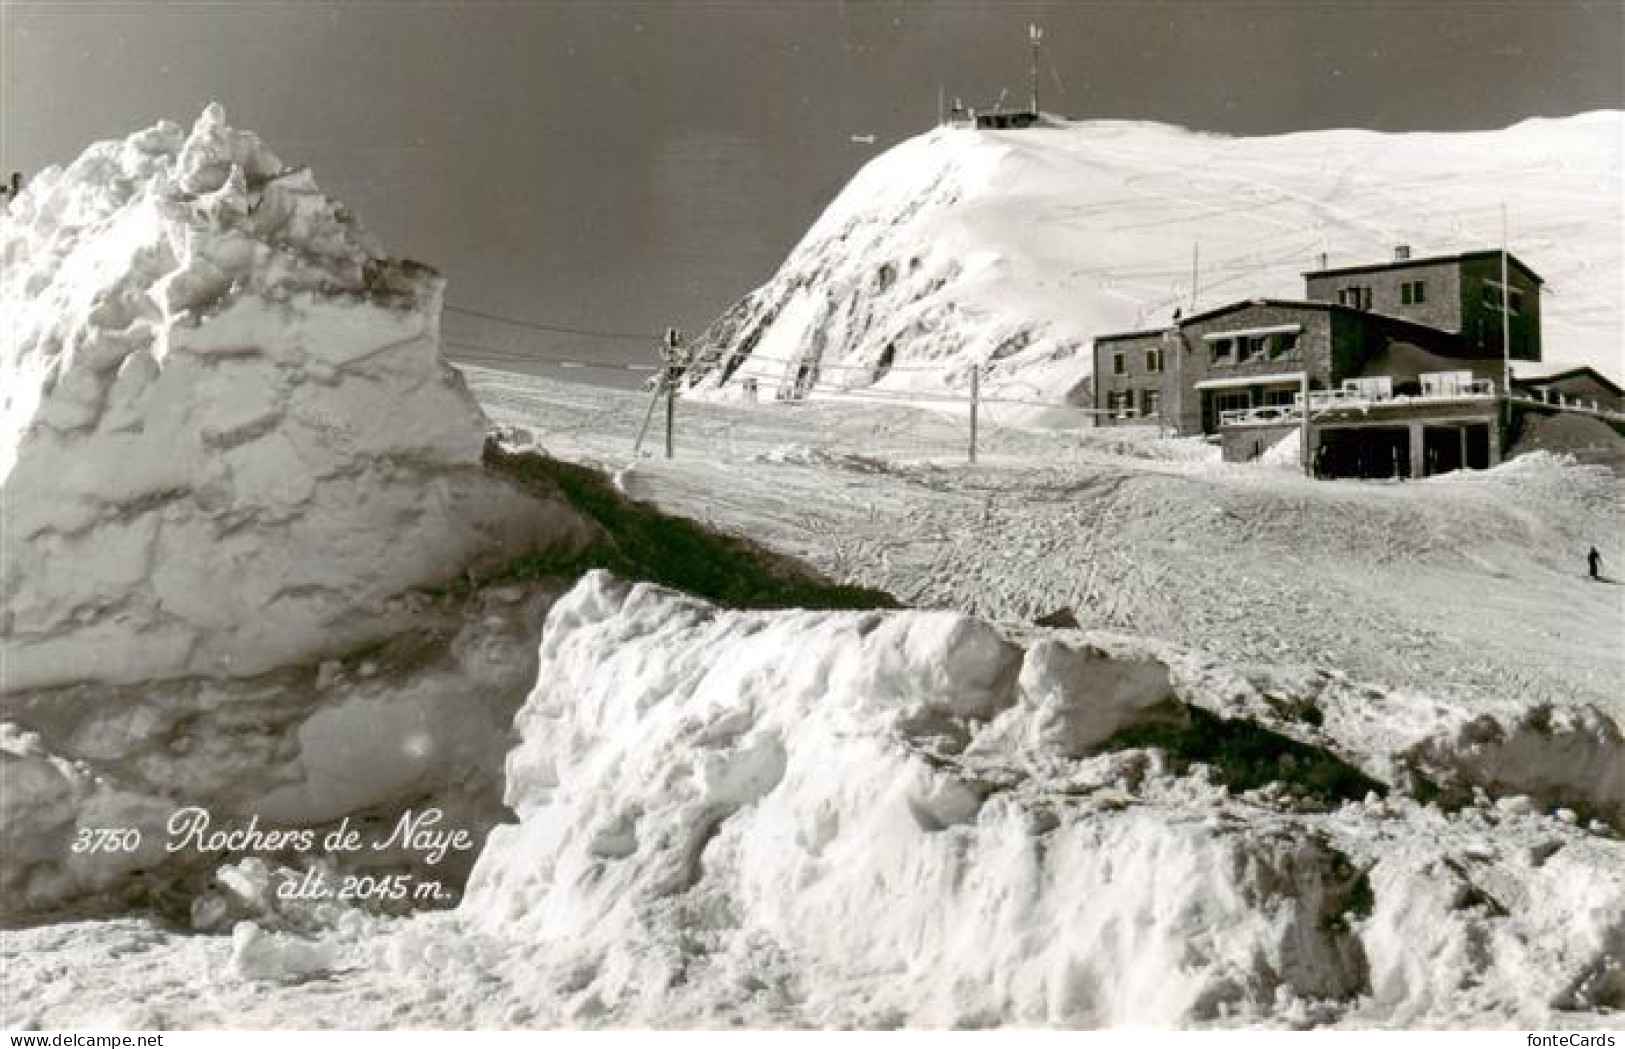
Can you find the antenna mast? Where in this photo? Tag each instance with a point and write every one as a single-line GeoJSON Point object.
{"type": "Point", "coordinates": [1034, 35]}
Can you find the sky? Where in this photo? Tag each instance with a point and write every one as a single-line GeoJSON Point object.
{"type": "Point", "coordinates": [618, 167]}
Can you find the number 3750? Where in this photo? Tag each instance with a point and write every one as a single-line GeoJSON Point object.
{"type": "Point", "coordinates": [104, 839]}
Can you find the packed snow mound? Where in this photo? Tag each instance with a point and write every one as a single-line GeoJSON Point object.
{"type": "Point", "coordinates": [1014, 249]}
{"type": "Point", "coordinates": [886, 818]}
{"type": "Point", "coordinates": [835, 792]}
{"type": "Point", "coordinates": [227, 437]}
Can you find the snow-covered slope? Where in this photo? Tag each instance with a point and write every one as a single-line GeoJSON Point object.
{"type": "Point", "coordinates": [1017, 248]}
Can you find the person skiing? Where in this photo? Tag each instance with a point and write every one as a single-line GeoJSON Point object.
{"type": "Point", "coordinates": [1594, 559]}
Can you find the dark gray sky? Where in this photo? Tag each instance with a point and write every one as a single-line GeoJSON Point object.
{"type": "Point", "coordinates": [622, 166]}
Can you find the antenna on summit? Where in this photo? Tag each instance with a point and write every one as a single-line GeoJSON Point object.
{"type": "Point", "coordinates": [1034, 35]}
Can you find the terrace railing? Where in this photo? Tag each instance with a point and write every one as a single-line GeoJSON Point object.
{"type": "Point", "coordinates": [1351, 397]}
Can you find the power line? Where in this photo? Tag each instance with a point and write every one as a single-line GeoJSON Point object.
{"type": "Point", "coordinates": [497, 353]}
{"type": "Point", "coordinates": [554, 328]}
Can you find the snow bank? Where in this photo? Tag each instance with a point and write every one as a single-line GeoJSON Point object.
{"type": "Point", "coordinates": [1555, 756]}
{"type": "Point", "coordinates": [710, 802]}
{"type": "Point", "coordinates": [230, 457]}
{"type": "Point", "coordinates": [227, 439]}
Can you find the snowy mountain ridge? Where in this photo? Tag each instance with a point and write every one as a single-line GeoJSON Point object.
{"type": "Point", "coordinates": [1017, 248]}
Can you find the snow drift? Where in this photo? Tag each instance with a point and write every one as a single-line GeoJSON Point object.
{"type": "Point", "coordinates": [1015, 249]}
{"type": "Point", "coordinates": [906, 818]}
{"type": "Point", "coordinates": [228, 440]}
{"type": "Point", "coordinates": [230, 453]}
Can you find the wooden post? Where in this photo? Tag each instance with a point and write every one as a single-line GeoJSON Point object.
{"type": "Point", "coordinates": [975, 402]}
{"type": "Point", "coordinates": [674, 372]}
{"type": "Point", "coordinates": [1034, 35]}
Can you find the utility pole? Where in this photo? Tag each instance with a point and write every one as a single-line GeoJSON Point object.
{"type": "Point", "coordinates": [676, 364]}
{"type": "Point", "coordinates": [674, 359]}
{"type": "Point", "coordinates": [975, 402]}
{"type": "Point", "coordinates": [1034, 35]}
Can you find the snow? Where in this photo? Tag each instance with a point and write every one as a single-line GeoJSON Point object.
{"type": "Point", "coordinates": [1015, 249]}
{"type": "Point", "coordinates": [916, 818]}
{"type": "Point", "coordinates": [231, 454]}
{"type": "Point", "coordinates": [228, 438]}
{"type": "Point", "coordinates": [275, 957]}
{"type": "Point", "coordinates": [1467, 587]}
{"type": "Point", "coordinates": [679, 770]}
{"type": "Point", "coordinates": [1312, 754]}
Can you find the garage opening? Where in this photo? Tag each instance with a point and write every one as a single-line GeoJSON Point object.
{"type": "Point", "coordinates": [1369, 451]}
{"type": "Point", "coordinates": [1444, 449]}
{"type": "Point", "coordinates": [1478, 446]}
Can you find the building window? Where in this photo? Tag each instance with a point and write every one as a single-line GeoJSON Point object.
{"type": "Point", "coordinates": [1222, 351]}
{"type": "Point", "coordinates": [1285, 344]}
{"type": "Point", "coordinates": [1413, 293]}
{"type": "Point", "coordinates": [1358, 296]}
{"type": "Point", "coordinates": [1279, 398]}
{"type": "Point", "coordinates": [1240, 400]}
{"type": "Point", "coordinates": [1251, 347]}
{"type": "Point", "coordinates": [1492, 299]}
{"type": "Point", "coordinates": [1150, 402]}
{"type": "Point", "coordinates": [1119, 363]}
{"type": "Point", "coordinates": [1153, 361]}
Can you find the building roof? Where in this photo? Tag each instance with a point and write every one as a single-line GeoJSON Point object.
{"type": "Point", "coordinates": [1310, 305]}
{"type": "Point", "coordinates": [1541, 379]}
{"type": "Point", "coordinates": [1319, 306]}
{"type": "Point", "coordinates": [1145, 334]}
{"type": "Point", "coordinates": [1431, 260]}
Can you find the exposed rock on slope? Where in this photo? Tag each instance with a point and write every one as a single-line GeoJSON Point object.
{"type": "Point", "coordinates": [228, 440]}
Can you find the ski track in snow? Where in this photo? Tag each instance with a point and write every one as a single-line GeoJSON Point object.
{"type": "Point", "coordinates": [1468, 587]}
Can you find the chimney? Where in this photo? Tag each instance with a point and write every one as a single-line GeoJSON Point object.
{"type": "Point", "coordinates": [1402, 252]}
{"type": "Point", "coordinates": [1321, 260]}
